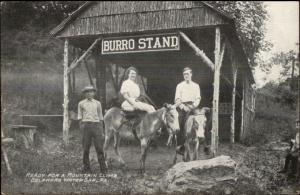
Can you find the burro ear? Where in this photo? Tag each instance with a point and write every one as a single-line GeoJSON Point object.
{"type": "Point", "coordinates": [165, 105]}
{"type": "Point", "coordinates": [173, 106]}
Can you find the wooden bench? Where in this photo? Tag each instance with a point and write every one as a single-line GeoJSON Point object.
{"type": "Point", "coordinates": [25, 133]}
{"type": "Point", "coordinates": [51, 122]}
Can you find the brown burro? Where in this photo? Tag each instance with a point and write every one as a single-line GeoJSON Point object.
{"type": "Point", "coordinates": [146, 129]}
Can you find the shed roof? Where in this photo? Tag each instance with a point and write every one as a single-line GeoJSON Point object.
{"type": "Point", "coordinates": [151, 15]}
{"type": "Point", "coordinates": [109, 17]}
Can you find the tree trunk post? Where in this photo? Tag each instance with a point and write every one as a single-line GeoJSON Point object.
{"type": "Point", "coordinates": [243, 110]}
{"type": "Point", "coordinates": [232, 129]}
{"type": "Point", "coordinates": [215, 115]}
{"type": "Point", "coordinates": [66, 95]}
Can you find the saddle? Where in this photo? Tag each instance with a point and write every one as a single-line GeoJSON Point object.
{"type": "Point", "coordinates": [129, 115]}
{"type": "Point", "coordinates": [133, 118]}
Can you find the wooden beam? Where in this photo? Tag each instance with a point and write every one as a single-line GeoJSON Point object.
{"type": "Point", "coordinates": [232, 129]}
{"type": "Point", "coordinates": [66, 95]}
{"type": "Point", "coordinates": [198, 51]}
{"type": "Point", "coordinates": [203, 56]}
{"type": "Point", "coordinates": [76, 62]}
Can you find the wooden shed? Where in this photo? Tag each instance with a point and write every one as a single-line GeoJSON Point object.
{"type": "Point", "coordinates": [160, 38]}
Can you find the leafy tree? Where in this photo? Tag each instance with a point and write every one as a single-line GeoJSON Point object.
{"type": "Point", "coordinates": [42, 14]}
{"type": "Point", "coordinates": [250, 17]}
{"type": "Point", "coordinates": [288, 61]}
{"type": "Point", "coordinates": [25, 27]}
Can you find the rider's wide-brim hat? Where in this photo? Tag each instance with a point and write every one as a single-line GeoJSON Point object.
{"type": "Point", "coordinates": [88, 88]}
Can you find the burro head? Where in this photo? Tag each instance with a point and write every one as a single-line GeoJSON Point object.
{"type": "Point", "coordinates": [171, 121]}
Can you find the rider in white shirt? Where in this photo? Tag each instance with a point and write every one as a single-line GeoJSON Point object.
{"type": "Point", "coordinates": [187, 99]}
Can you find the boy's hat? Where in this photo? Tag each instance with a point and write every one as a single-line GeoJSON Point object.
{"type": "Point", "coordinates": [88, 88]}
{"type": "Point", "coordinates": [186, 69]}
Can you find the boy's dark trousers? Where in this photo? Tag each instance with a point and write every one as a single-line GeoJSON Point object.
{"type": "Point", "coordinates": [291, 160]}
{"type": "Point", "coordinates": [93, 131]}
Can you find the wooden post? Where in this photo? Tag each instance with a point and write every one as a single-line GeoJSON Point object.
{"type": "Point", "coordinates": [243, 110]}
{"type": "Point", "coordinates": [73, 82]}
{"type": "Point", "coordinates": [219, 53]}
{"type": "Point", "coordinates": [101, 81]}
{"type": "Point", "coordinates": [232, 129]}
{"type": "Point", "coordinates": [76, 52]}
{"type": "Point", "coordinates": [66, 95]}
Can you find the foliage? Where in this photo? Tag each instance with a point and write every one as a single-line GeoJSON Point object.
{"type": "Point", "coordinates": [289, 61]}
{"type": "Point", "coordinates": [42, 14]}
{"type": "Point", "coordinates": [250, 17]}
{"type": "Point", "coordinates": [25, 27]}
{"type": "Point", "coordinates": [275, 114]}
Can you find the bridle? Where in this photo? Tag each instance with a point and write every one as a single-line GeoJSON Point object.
{"type": "Point", "coordinates": [163, 118]}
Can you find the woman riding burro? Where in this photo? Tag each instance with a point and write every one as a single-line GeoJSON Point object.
{"type": "Point", "coordinates": [131, 91]}
{"type": "Point", "coordinates": [150, 123]}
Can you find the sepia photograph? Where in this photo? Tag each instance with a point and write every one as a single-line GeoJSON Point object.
{"type": "Point", "coordinates": [150, 97]}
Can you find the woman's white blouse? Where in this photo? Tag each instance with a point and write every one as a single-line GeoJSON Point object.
{"type": "Point", "coordinates": [130, 87]}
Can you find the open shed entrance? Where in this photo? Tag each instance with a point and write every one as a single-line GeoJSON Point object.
{"type": "Point", "coordinates": [162, 71]}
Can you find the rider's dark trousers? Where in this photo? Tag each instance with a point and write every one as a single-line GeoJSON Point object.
{"type": "Point", "coordinates": [182, 117]}
{"type": "Point", "coordinates": [93, 132]}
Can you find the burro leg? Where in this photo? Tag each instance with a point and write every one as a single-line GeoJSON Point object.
{"type": "Point", "coordinates": [117, 139]}
{"type": "Point", "coordinates": [144, 146]}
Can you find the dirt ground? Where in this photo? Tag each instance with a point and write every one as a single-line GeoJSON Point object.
{"type": "Point", "coordinates": [256, 165]}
